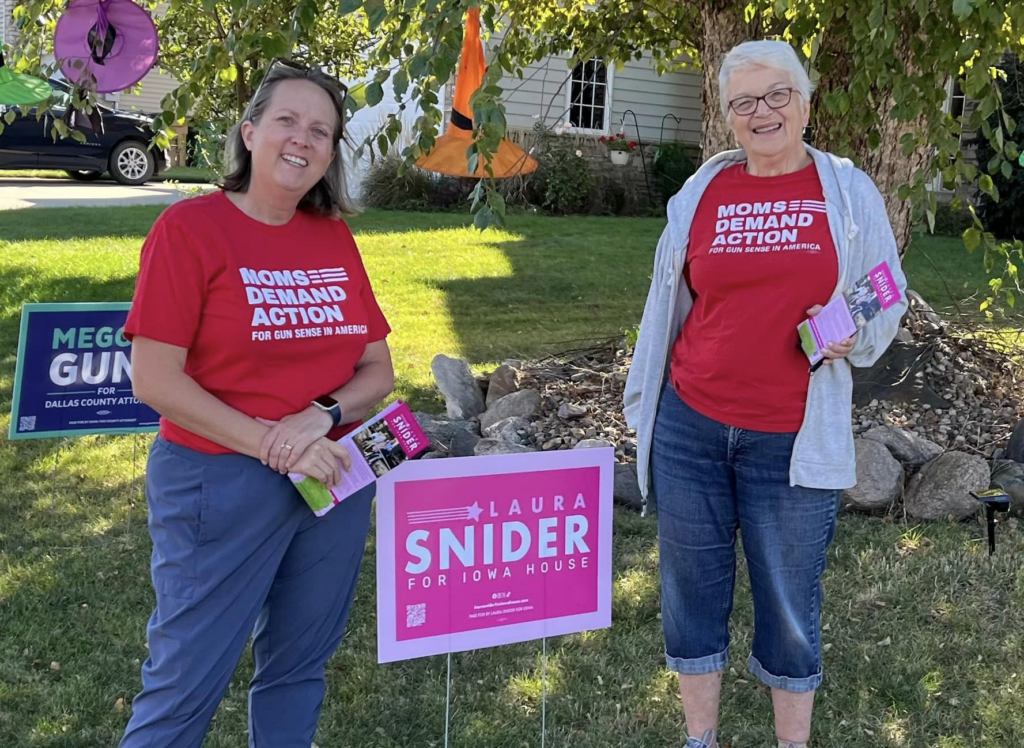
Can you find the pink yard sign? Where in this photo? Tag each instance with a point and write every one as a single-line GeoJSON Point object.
{"type": "Point", "coordinates": [481, 551]}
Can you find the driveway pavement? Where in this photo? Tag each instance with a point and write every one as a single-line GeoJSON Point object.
{"type": "Point", "coordinates": [58, 193]}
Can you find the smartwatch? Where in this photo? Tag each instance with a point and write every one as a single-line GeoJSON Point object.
{"type": "Point", "coordinates": [331, 406]}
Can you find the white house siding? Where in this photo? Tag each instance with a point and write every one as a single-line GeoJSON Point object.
{"type": "Point", "coordinates": [146, 96]}
{"type": "Point", "coordinates": [6, 21]}
{"type": "Point", "coordinates": [637, 87]}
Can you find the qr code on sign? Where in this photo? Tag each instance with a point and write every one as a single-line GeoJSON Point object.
{"type": "Point", "coordinates": [27, 423]}
{"type": "Point", "coordinates": [415, 615]}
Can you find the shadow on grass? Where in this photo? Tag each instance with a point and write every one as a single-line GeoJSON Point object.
{"type": "Point", "coordinates": [574, 281]}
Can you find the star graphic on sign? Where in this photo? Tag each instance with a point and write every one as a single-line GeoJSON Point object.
{"type": "Point", "coordinates": [474, 511]}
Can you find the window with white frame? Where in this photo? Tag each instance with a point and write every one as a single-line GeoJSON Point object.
{"type": "Point", "coordinates": [589, 97]}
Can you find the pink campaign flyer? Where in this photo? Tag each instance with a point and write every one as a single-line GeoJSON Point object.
{"type": "Point", "coordinates": [482, 551]}
{"type": "Point", "coordinates": [849, 312]}
{"type": "Point", "coordinates": [377, 447]}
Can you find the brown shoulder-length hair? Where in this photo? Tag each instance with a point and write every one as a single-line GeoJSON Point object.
{"type": "Point", "coordinates": [329, 196]}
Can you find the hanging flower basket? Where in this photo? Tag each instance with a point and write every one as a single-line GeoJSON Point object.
{"type": "Point", "coordinates": [619, 149]}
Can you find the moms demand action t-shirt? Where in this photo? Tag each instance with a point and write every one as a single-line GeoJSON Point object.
{"type": "Point", "coordinates": [760, 256]}
{"type": "Point", "coordinates": [272, 316]}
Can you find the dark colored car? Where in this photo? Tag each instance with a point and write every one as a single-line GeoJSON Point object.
{"type": "Point", "coordinates": [123, 149]}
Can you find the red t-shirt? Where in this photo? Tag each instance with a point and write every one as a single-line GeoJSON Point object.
{"type": "Point", "coordinates": [760, 255]}
{"type": "Point", "coordinates": [272, 316]}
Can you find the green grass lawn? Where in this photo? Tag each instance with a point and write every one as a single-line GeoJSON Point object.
{"type": "Point", "coordinates": [925, 643]}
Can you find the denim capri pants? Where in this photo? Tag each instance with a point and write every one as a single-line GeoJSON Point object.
{"type": "Point", "coordinates": [711, 480]}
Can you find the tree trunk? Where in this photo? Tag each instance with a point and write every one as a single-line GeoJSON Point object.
{"type": "Point", "coordinates": [723, 27]}
{"type": "Point", "coordinates": [885, 164]}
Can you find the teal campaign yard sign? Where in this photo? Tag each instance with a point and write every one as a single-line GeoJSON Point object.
{"type": "Point", "coordinates": [74, 373]}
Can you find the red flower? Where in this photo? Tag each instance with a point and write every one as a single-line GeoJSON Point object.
{"type": "Point", "coordinates": [602, 139]}
{"type": "Point", "coordinates": [632, 144]}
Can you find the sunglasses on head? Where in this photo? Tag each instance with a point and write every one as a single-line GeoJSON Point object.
{"type": "Point", "coordinates": [282, 62]}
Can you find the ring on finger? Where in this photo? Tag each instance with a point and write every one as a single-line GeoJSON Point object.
{"type": "Point", "coordinates": [286, 445]}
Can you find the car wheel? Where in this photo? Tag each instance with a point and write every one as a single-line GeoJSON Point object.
{"type": "Point", "coordinates": [131, 162]}
{"type": "Point", "coordinates": [83, 176]}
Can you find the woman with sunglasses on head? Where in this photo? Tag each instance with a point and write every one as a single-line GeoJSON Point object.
{"type": "Point", "coordinates": [734, 431]}
{"type": "Point", "coordinates": [256, 335]}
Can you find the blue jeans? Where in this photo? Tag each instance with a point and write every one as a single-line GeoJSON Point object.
{"type": "Point", "coordinates": [236, 552]}
{"type": "Point", "coordinates": [710, 480]}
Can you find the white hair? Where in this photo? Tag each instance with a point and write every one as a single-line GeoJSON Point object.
{"type": "Point", "coordinates": [763, 54]}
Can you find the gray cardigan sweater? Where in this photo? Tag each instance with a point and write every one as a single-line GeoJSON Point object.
{"type": "Point", "coordinates": [823, 456]}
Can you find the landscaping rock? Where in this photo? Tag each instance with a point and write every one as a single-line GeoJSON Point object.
{"type": "Point", "coordinates": [524, 404]}
{"type": "Point", "coordinates": [441, 430]}
{"type": "Point", "coordinates": [593, 444]}
{"type": "Point", "coordinates": [504, 381]}
{"type": "Point", "coordinates": [462, 395]}
{"type": "Point", "coordinates": [879, 478]}
{"type": "Point", "coordinates": [515, 430]}
{"type": "Point", "coordinates": [627, 487]}
{"type": "Point", "coordinates": [464, 444]}
{"type": "Point", "coordinates": [921, 309]}
{"type": "Point", "coordinates": [942, 488]}
{"type": "Point", "coordinates": [1015, 449]}
{"type": "Point", "coordinates": [568, 411]}
{"type": "Point", "coordinates": [906, 446]}
{"type": "Point", "coordinates": [498, 447]}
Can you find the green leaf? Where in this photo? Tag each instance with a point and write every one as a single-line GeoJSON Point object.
{"type": "Point", "coordinates": [496, 202]}
{"type": "Point", "coordinates": [383, 144]}
{"type": "Point", "coordinates": [349, 6]}
{"type": "Point", "coordinates": [418, 65]}
{"type": "Point", "coordinates": [376, 12]}
{"type": "Point", "coordinates": [401, 82]}
{"type": "Point", "coordinates": [374, 94]}
{"type": "Point", "coordinates": [1011, 300]}
{"type": "Point", "coordinates": [483, 218]}
{"type": "Point", "coordinates": [78, 136]}
{"type": "Point", "coordinates": [274, 45]}
{"type": "Point", "coordinates": [10, 116]}
{"type": "Point", "coordinates": [1011, 123]}
{"type": "Point", "coordinates": [1006, 169]}
{"type": "Point", "coordinates": [963, 8]}
{"type": "Point", "coordinates": [972, 239]}
{"type": "Point", "coordinates": [986, 185]}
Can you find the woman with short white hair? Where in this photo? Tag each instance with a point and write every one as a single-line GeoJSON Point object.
{"type": "Point", "coordinates": [734, 431]}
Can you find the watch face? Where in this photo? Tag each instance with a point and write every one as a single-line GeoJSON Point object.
{"type": "Point", "coordinates": [326, 401]}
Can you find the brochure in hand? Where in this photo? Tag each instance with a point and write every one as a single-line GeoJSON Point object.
{"type": "Point", "coordinates": [379, 445]}
{"type": "Point", "coordinates": [848, 312]}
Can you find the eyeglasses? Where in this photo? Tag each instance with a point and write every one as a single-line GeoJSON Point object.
{"type": "Point", "coordinates": [744, 106]}
{"type": "Point", "coordinates": [309, 72]}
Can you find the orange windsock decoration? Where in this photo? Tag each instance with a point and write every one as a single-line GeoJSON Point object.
{"type": "Point", "coordinates": [448, 156]}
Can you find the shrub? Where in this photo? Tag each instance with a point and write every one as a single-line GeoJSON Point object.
{"type": "Point", "coordinates": [562, 183]}
{"type": "Point", "coordinates": [950, 222]}
{"type": "Point", "coordinates": [1005, 218]}
{"type": "Point", "coordinates": [416, 189]}
{"type": "Point", "coordinates": [672, 166]}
